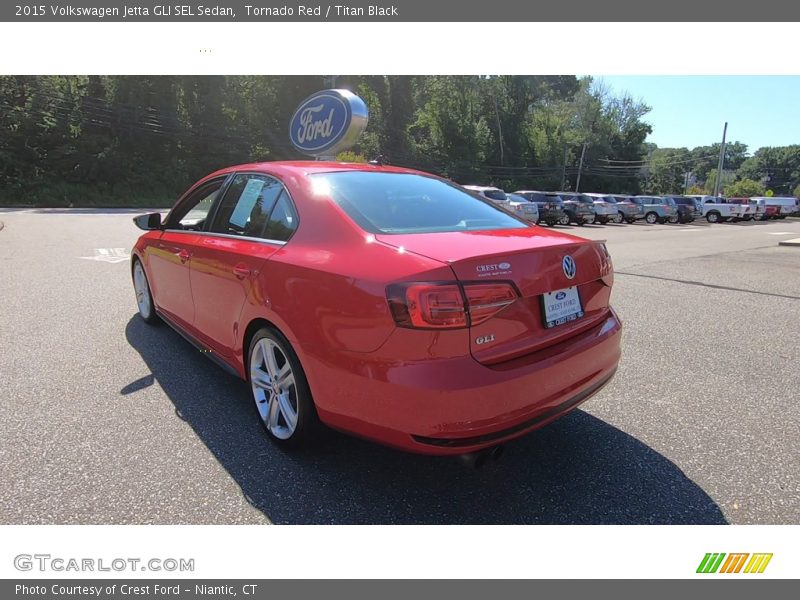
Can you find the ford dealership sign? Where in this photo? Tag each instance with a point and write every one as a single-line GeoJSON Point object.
{"type": "Point", "coordinates": [328, 122]}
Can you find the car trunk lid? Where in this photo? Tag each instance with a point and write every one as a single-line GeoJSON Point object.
{"type": "Point", "coordinates": [533, 261]}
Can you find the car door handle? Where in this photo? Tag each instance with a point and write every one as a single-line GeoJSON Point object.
{"type": "Point", "coordinates": [184, 255]}
{"type": "Point", "coordinates": [241, 271]}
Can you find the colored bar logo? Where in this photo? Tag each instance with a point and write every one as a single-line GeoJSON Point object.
{"type": "Point", "coordinates": [717, 562]}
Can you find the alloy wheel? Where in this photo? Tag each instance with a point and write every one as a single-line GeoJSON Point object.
{"type": "Point", "coordinates": [274, 388]}
{"type": "Point", "coordinates": [142, 291]}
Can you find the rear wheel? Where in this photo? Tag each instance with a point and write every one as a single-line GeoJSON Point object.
{"type": "Point", "coordinates": [564, 220]}
{"type": "Point", "coordinates": [618, 218]}
{"type": "Point", "coordinates": [651, 218]}
{"type": "Point", "coordinates": [280, 389]}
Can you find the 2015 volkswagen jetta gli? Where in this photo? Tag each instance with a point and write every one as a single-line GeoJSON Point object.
{"type": "Point", "coordinates": [384, 302]}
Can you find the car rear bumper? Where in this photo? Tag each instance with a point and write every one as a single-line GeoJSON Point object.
{"type": "Point", "coordinates": [550, 214]}
{"type": "Point", "coordinates": [457, 405]}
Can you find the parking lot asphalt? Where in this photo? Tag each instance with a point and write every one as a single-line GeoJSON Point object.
{"type": "Point", "coordinates": [106, 420]}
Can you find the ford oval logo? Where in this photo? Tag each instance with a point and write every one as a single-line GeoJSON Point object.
{"type": "Point", "coordinates": [568, 264]}
{"type": "Point", "coordinates": [561, 295]}
{"type": "Point", "coordinates": [504, 265]}
{"type": "Point", "coordinates": [328, 122]}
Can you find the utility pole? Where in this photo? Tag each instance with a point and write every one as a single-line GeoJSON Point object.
{"type": "Point", "coordinates": [499, 128]}
{"type": "Point", "coordinates": [721, 162]}
{"type": "Point", "coordinates": [580, 168]}
{"type": "Point", "coordinates": [564, 171]}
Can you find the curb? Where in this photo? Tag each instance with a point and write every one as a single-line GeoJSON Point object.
{"type": "Point", "coordinates": [794, 242]}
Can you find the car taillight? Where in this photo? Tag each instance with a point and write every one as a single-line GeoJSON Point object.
{"type": "Point", "coordinates": [484, 300]}
{"type": "Point", "coordinates": [447, 305]}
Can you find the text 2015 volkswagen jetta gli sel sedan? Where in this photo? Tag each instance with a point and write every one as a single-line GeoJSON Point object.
{"type": "Point", "coordinates": [384, 302]}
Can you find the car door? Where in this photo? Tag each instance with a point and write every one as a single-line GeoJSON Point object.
{"type": "Point", "coordinates": [231, 255]}
{"type": "Point", "coordinates": [169, 257]}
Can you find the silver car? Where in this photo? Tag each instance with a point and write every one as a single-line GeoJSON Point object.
{"type": "Point", "coordinates": [523, 207]}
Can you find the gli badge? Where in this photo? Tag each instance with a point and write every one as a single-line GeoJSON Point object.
{"type": "Point", "coordinates": [569, 267]}
{"type": "Point", "coordinates": [484, 339]}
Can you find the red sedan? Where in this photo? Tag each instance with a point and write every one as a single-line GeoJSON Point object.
{"type": "Point", "coordinates": [384, 302]}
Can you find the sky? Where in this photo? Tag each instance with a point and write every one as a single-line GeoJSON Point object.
{"type": "Point", "coordinates": [689, 111]}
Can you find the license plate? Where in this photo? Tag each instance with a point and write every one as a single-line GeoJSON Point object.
{"type": "Point", "coordinates": [561, 306]}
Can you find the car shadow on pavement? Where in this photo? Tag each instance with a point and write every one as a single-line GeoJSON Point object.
{"type": "Point", "coordinates": [578, 470]}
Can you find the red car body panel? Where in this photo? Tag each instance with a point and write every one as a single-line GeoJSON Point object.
{"type": "Point", "coordinates": [428, 391]}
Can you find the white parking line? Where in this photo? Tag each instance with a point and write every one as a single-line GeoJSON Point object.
{"type": "Point", "coordinates": [781, 232]}
{"type": "Point", "coordinates": [110, 255]}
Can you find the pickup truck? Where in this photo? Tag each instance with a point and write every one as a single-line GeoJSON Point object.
{"type": "Point", "coordinates": [749, 208]}
{"type": "Point", "coordinates": [716, 209]}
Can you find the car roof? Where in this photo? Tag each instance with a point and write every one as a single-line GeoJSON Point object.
{"type": "Point", "coordinates": [310, 167]}
{"type": "Point", "coordinates": [481, 188]}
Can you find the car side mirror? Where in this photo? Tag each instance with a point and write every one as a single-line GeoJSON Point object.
{"type": "Point", "coordinates": [148, 222]}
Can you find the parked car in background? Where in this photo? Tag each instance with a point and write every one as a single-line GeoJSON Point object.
{"type": "Point", "coordinates": [657, 209]}
{"type": "Point", "coordinates": [579, 208]}
{"type": "Point", "coordinates": [494, 194]}
{"type": "Point", "coordinates": [523, 207]}
{"type": "Point", "coordinates": [785, 205]}
{"type": "Point", "coordinates": [630, 210]}
{"type": "Point", "coordinates": [687, 209]}
{"type": "Point", "coordinates": [605, 209]}
{"type": "Point", "coordinates": [748, 208]}
{"type": "Point", "coordinates": [716, 209]}
{"type": "Point", "coordinates": [384, 302]}
{"type": "Point", "coordinates": [551, 207]}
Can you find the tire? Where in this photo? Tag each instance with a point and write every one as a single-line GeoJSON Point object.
{"type": "Point", "coordinates": [651, 218]}
{"type": "Point", "coordinates": [630, 221]}
{"type": "Point", "coordinates": [748, 217]}
{"type": "Point", "coordinates": [564, 220]}
{"type": "Point", "coordinates": [713, 217]}
{"type": "Point", "coordinates": [280, 391]}
{"type": "Point", "coordinates": [144, 299]}
{"type": "Point", "coordinates": [618, 218]}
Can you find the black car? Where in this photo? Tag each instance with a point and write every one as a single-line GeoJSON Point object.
{"type": "Point", "coordinates": [551, 207]}
{"type": "Point", "coordinates": [687, 210]}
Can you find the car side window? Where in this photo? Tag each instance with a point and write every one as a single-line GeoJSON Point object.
{"type": "Point", "coordinates": [283, 220]}
{"type": "Point", "coordinates": [246, 206]}
{"type": "Point", "coordinates": [193, 212]}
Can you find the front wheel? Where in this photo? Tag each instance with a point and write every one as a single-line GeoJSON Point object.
{"type": "Point", "coordinates": [564, 220]}
{"type": "Point", "coordinates": [280, 389]}
{"type": "Point", "coordinates": [712, 217]}
{"type": "Point", "coordinates": [144, 299]}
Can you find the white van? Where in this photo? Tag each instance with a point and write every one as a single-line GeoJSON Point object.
{"type": "Point", "coordinates": [787, 205]}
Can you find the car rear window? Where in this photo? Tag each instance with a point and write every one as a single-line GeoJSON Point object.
{"type": "Point", "coordinates": [495, 194]}
{"type": "Point", "coordinates": [409, 203]}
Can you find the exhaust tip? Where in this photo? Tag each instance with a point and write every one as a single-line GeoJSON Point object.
{"type": "Point", "coordinates": [477, 460]}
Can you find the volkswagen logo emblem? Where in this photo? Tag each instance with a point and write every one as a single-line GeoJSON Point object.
{"type": "Point", "coordinates": [568, 264]}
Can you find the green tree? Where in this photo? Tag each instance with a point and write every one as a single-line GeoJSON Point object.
{"type": "Point", "coordinates": [744, 188]}
{"type": "Point", "coordinates": [777, 167]}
